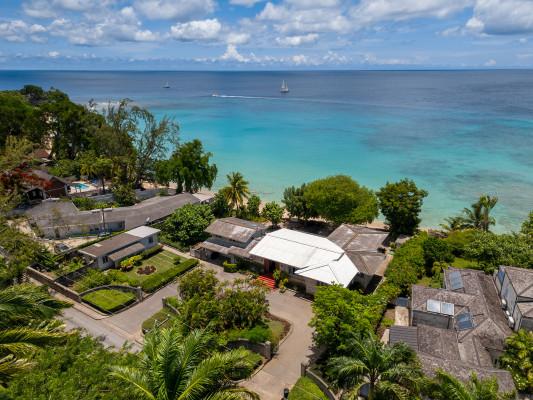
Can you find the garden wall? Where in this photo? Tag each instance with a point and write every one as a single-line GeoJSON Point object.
{"type": "Point", "coordinates": [51, 283]}
{"type": "Point", "coordinates": [265, 349]}
{"type": "Point", "coordinates": [306, 371]}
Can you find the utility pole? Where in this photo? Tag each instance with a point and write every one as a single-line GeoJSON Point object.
{"type": "Point", "coordinates": [102, 211]}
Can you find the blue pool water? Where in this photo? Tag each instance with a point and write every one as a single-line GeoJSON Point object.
{"type": "Point", "coordinates": [79, 185]}
{"type": "Point", "coordinates": [458, 134]}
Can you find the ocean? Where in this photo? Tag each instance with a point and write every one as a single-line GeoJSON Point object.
{"type": "Point", "coordinates": [458, 134]}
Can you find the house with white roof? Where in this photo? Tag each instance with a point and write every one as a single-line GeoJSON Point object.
{"type": "Point", "coordinates": [308, 260]}
{"type": "Point", "coordinates": [112, 251]}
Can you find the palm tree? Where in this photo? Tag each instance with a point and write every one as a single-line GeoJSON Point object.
{"type": "Point", "coordinates": [176, 366]}
{"type": "Point", "coordinates": [478, 216]}
{"type": "Point", "coordinates": [446, 387]}
{"type": "Point", "coordinates": [455, 223]}
{"type": "Point", "coordinates": [518, 359]}
{"type": "Point", "coordinates": [237, 190]}
{"type": "Point", "coordinates": [99, 167]}
{"type": "Point", "coordinates": [25, 326]}
{"type": "Point", "coordinates": [388, 372]}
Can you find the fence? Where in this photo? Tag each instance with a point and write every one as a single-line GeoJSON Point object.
{"type": "Point", "coordinates": [51, 283]}
{"type": "Point", "coordinates": [306, 371]}
{"type": "Point", "coordinates": [71, 277]}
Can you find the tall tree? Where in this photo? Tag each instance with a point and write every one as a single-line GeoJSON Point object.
{"type": "Point", "coordinates": [273, 212]}
{"type": "Point", "coordinates": [98, 167]}
{"type": "Point", "coordinates": [190, 167]}
{"type": "Point", "coordinates": [527, 226]}
{"type": "Point", "coordinates": [339, 199]}
{"type": "Point", "coordinates": [295, 203]}
{"type": "Point", "coordinates": [401, 204]}
{"type": "Point", "coordinates": [478, 216]}
{"type": "Point", "coordinates": [446, 387]}
{"type": "Point", "coordinates": [237, 191]}
{"type": "Point", "coordinates": [390, 372]}
{"type": "Point", "coordinates": [174, 366]}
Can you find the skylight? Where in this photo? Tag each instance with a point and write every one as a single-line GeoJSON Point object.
{"type": "Point", "coordinates": [440, 307]}
{"type": "Point", "coordinates": [464, 321]}
{"type": "Point", "coordinates": [456, 281]}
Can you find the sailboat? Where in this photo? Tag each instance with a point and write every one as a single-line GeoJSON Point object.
{"type": "Point", "coordinates": [167, 86]}
{"type": "Point", "coordinates": [284, 87]}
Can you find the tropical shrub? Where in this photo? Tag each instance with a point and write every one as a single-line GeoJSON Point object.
{"type": "Point", "coordinates": [273, 212]}
{"type": "Point", "coordinates": [518, 359]}
{"type": "Point", "coordinates": [229, 267]}
{"type": "Point", "coordinates": [408, 264]}
{"type": "Point", "coordinates": [436, 250]}
{"type": "Point", "coordinates": [129, 263]}
{"type": "Point", "coordinates": [151, 251]}
{"type": "Point", "coordinates": [296, 204]}
{"type": "Point", "coordinates": [252, 206]}
{"type": "Point", "coordinates": [93, 278]}
{"type": "Point", "coordinates": [198, 282]}
{"type": "Point", "coordinates": [220, 206]}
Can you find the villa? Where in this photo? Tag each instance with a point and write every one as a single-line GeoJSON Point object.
{"type": "Point", "coordinates": [515, 288]}
{"type": "Point", "coordinates": [56, 219]}
{"type": "Point", "coordinates": [40, 185]}
{"type": "Point", "coordinates": [460, 329]}
{"type": "Point", "coordinates": [230, 238]}
{"type": "Point", "coordinates": [109, 253]}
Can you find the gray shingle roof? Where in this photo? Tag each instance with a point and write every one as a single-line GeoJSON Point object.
{"type": "Point", "coordinates": [110, 245]}
{"type": "Point", "coordinates": [404, 334]}
{"type": "Point", "coordinates": [235, 229]}
{"type": "Point", "coordinates": [521, 279]}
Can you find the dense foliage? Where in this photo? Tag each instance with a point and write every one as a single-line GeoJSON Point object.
{"type": "Point", "coordinates": [436, 250]}
{"type": "Point", "coordinates": [188, 223]}
{"type": "Point", "coordinates": [208, 302]}
{"type": "Point", "coordinates": [237, 190]}
{"type": "Point", "coordinates": [78, 369]}
{"type": "Point", "coordinates": [273, 212]}
{"type": "Point", "coordinates": [296, 204]}
{"type": "Point", "coordinates": [340, 199]}
{"type": "Point", "coordinates": [401, 204]}
{"type": "Point", "coordinates": [252, 207]}
{"type": "Point", "coordinates": [518, 359]}
{"type": "Point", "coordinates": [408, 264]}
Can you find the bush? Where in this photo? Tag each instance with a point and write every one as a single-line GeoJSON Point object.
{"type": "Point", "coordinates": [198, 282]}
{"type": "Point", "coordinates": [86, 203]}
{"type": "Point", "coordinates": [436, 250]}
{"type": "Point", "coordinates": [256, 334]}
{"type": "Point", "coordinates": [408, 264]}
{"type": "Point", "coordinates": [151, 251]}
{"type": "Point", "coordinates": [229, 267]}
{"type": "Point", "coordinates": [129, 263]}
{"type": "Point", "coordinates": [458, 240]}
{"type": "Point", "coordinates": [156, 281]}
{"type": "Point", "coordinates": [109, 300]}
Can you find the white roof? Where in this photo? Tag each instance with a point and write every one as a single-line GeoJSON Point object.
{"type": "Point", "coordinates": [316, 257]}
{"type": "Point", "coordinates": [143, 231]}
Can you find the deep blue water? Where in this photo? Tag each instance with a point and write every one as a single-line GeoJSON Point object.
{"type": "Point", "coordinates": [458, 134]}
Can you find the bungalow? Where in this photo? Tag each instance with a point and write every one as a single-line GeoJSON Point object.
{"type": "Point", "coordinates": [230, 238]}
{"type": "Point", "coordinates": [460, 329]}
{"type": "Point", "coordinates": [109, 253]}
{"type": "Point", "coordinates": [515, 288]}
{"type": "Point", "coordinates": [308, 260]}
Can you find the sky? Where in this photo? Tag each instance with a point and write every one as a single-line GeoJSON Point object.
{"type": "Point", "coordinates": [257, 34]}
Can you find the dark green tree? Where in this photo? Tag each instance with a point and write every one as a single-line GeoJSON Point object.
{"type": "Point", "coordinates": [237, 190]}
{"type": "Point", "coordinates": [220, 206]}
{"type": "Point", "coordinates": [339, 199]}
{"type": "Point", "coordinates": [187, 224]}
{"type": "Point", "coordinates": [123, 194]}
{"type": "Point", "coordinates": [191, 168]}
{"type": "Point", "coordinates": [296, 205]}
{"type": "Point", "coordinates": [478, 216]}
{"type": "Point", "coordinates": [401, 204]}
{"type": "Point", "coordinates": [527, 226]}
{"type": "Point", "coordinates": [436, 250]}
{"type": "Point", "coordinates": [252, 206]}
{"type": "Point", "coordinates": [518, 359]}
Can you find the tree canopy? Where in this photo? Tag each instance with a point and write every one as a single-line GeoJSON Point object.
{"type": "Point", "coordinates": [401, 204]}
{"type": "Point", "coordinates": [188, 223]}
{"type": "Point", "coordinates": [339, 199]}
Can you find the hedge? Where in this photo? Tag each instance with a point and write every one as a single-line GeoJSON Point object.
{"type": "Point", "coordinates": [154, 282]}
{"type": "Point", "coordinates": [109, 300]}
{"type": "Point", "coordinates": [151, 251]}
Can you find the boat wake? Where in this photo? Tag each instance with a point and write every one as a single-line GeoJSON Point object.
{"type": "Point", "coordinates": [227, 96]}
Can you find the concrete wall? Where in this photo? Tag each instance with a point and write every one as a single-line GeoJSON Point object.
{"type": "Point", "coordinates": [46, 280]}
{"type": "Point", "coordinates": [265, 349]}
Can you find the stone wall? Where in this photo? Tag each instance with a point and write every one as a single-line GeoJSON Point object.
{"type": "Point", "coordinates": [265, 349]}
{"type": "Point", "coordinates": [306, 371]}
{"type": "Point", "coordinates": [52, 284]}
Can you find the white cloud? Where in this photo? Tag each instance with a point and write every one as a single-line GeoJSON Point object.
{"type": "Point", "coordinates": [52, 8]}
{"type": "Point", "coordinates": [307, 4]}
{"type": "Point", "coordinates": [300, 59]}
{"type": "Point", "coordinates": [208, 29]}
{"type": "Point", "coordinates": [501, 17]}
{"type": "Point", "coordinates": [53, 54]}
{"type": "Point", "coordinates": [274, 12]}
{"type": "Point", "coordinates": [237, 38]}
{"type": "Point", "coordinates": [490, 63]}
{"type": "Point", "coordinates": [232, 54]}
{"type": "Point", "coordinates": [368, 12]}
{"type": "Point", "coordinates": [20, 31]}
{"type": "Point", "coordinates": [297, 40]}
{"type": "Point", "coordinates": [245, 3]}
{"type": "Point", "coordinates": [174, 9]}
{"type": "Point", "coordinates": [372, 59]}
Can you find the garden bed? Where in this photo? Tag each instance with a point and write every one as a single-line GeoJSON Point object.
{"type": "Point", "coordinates": [109, 300]}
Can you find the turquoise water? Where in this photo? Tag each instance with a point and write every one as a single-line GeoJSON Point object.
{"type": "Point", "coordinates": [81, 186]}
{"type": "Point", "coordinates": [458, 134]}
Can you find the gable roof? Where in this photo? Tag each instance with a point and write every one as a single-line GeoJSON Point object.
{"type": "Point", "coordinates": [521, 279]}
{"type": "Point", "coordinates": [314, 257]}
{"type": "Point", "coordinates": [235, 229]}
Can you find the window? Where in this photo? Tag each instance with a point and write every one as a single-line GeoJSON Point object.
{"type": "Point", "coordinates": [290, 270]}
{"type": "Point", "coordinates": [151, 239]}
{"type": "Point", "coordinates": [501, 275]}
{"type": "Point", "coordinates": [105, 259]}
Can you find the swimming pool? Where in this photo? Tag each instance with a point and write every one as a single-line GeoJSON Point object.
{"type": "Point", "coordinates": [79, 186]}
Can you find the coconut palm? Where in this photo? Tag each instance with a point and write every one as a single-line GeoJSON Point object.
{"type": "Point", "coordinates": [25, 326]}
{"type": "Point", "coordinates": [455, 223]}
{"type": "Point", "coordinates": [518, 359]}
{"type": "Point", "coordinates": [478, 216]}
{"type": "Point", "coordinates": [237, 190]}
{"type": "Point", "coordinates": [99, 167]}
{"type": "Point", "coordinates": [388, 372]}
{"type": "Point", "coordinates": [446, 387]}
{"type": "Point", "coordinates": [176, 366]}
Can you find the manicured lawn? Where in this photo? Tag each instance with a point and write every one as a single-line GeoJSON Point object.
{"type": "Point", "coordinates": [306, 389]}
{"type": "Point", "coordinates": [162, 261]}
{"type": "Point", "coordinates": [276, 331]}
{"type": "Point", "coordinates": [163, 318]}
{"type": "Point", "coordinates": [109, 300]}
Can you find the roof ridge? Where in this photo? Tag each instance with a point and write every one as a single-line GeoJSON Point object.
{"type": "Point", "coordinates": [308, 245]}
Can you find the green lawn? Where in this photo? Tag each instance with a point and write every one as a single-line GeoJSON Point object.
{"type": "Point", "coordinates": [109, 300]}
{"type": "Point", "coordinates": [463, 263]}
{"type": "Point", "coordinates": [306, 389]}
{"type": "Point", "coordinates": [162, 261]}
{"type": "Point", "coordinates": [276, 330]}
{"type": "Point", "coordinates": [163, 318]}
